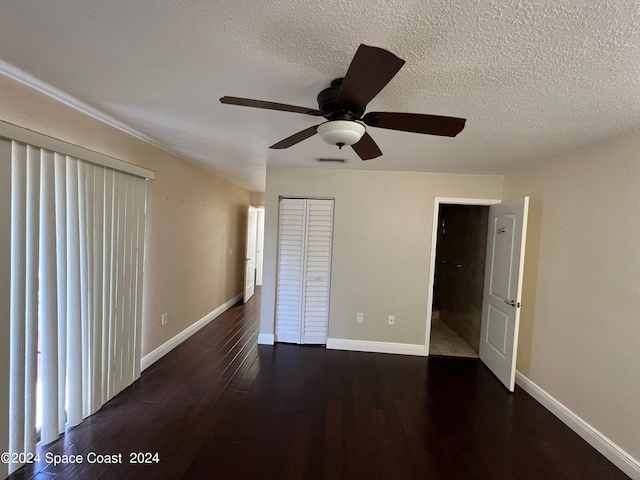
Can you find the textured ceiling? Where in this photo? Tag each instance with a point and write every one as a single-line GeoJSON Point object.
{"type": "Point", "coordinates": [533, 78]}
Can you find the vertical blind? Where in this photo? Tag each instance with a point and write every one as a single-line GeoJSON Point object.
{"type": "Point", "coordinates": [77, 251]}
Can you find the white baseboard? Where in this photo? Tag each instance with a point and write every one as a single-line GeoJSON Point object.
{"type": "Point", "coordinates": [266, 339]}
{"type": "Point", "coordinates": [376, 347]}
{"type": "Point", "coordinates": [593, 437]}
{"type": "Point", "coordinates": [166, 347]}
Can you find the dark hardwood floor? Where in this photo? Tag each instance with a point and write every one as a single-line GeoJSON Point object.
{"type": "Point", "coordinates": [221, 407]}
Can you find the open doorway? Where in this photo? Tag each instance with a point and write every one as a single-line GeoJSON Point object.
{"type": "Point", "coordinates": [458, 282]}
{"type": "Point", "coordinates": [501, 281]}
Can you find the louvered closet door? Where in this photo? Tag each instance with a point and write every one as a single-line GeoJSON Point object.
{"type": "Point", "coordinates": [317, 271]}
{"type": "Point", "coordinates": [290, 269]}
{"type": "Point", "coordinates": [304, 270]}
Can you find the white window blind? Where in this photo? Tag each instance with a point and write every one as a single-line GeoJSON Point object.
{"type": "Point", "coordinates": [77, 251]}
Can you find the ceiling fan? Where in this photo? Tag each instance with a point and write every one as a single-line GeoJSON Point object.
{"type": "Point", "coordinates": [343, 105]}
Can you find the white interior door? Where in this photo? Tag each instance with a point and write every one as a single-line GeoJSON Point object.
{"type": "Point", "coordinates": [260, 246]}
{"type": "Point", "coordinates": [250, 254]}
{"type": "Point", "coordinates": [503, 288]}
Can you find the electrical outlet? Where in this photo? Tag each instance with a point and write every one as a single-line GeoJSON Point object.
{"type": "Point", "coordinates": [230, 252]}
{"type": "Point", "coordinates": [360, 318]}
{"type": "Point", "coordinates": [392, 319]}
{"type": "Point", "coordinates": [165, 318]}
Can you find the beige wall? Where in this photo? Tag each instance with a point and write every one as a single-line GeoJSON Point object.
{"type": "Point", "coordinates": [194, 217]}
{"type": "Point", "coordinates": [257, 199]}
{"type": "Point", "coordinates": [381, 244]}
{"type": "Point", "coordinates": [580, 324]}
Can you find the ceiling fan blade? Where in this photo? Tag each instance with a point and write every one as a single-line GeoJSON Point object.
{"type": "Point", "coordinates": [247, 102]}
{"type": "Point", "coordinates": [366, 148]}
{"type": "Point", "coordinates": [295, 138]}
{"type": "Point", "coordinates": [416, 122]}
{"type": "Point", "coordinates": [370, 71]}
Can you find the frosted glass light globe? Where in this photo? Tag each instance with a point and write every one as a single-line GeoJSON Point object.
{"type": "Point", "coordinates": [341, 132]}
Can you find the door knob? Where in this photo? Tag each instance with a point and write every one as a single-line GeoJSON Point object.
{"type": "Point", "coordinates": [513, 303]}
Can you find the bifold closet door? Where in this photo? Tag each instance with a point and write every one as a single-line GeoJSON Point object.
{"type": "Point", "coordinates": [317, 269]}
{"type": "Point", "coordinates": [304, 270]}
{"type": "Point", "coordinates": [291, 253]}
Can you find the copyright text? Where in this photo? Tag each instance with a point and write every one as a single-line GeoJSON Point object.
{"type": "Point", "coordinates": [91, 457]}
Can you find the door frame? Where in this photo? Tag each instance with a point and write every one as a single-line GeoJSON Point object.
{"type": "Point", "coordinates": [432, 259]}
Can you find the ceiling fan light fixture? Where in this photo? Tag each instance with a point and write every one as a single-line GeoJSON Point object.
{"type": "Point", "coordinates": [346, 100]}
{"type": "Point", "coordinates": [341, 132]}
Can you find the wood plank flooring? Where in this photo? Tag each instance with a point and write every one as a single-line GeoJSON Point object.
{"type": "Point", "coordinates": [221, 407]}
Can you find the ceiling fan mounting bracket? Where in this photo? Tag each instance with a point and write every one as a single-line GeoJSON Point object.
{"type": "Point", "coordinates": [342, 115]}
{"type": "Point", "coordinates": [328, 103]}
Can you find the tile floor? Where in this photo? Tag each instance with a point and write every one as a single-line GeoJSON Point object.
{"type": "Point", "coordinates": [446, 342]}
